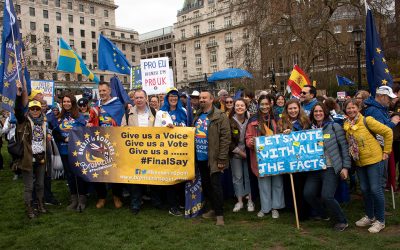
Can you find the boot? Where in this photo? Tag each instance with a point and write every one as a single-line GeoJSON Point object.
{"type": "Point", "coordinates": [209, 215]}
{"type": "Point", "coordinates": [74, 202]}
{"type": "Point", "coordinates": [29, 211]}
{"type": "Point", "coordinates": [41, 208]}
{"type": "Point", "coordinates": [220, 221]}
{"type": "Point", "coordinates": [100, 203]}
{"type": "Point", "coordinates": [82, 203]}
{"type": "Point", "coordinates": [117, 202]}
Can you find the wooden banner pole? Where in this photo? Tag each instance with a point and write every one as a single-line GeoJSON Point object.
{"type": "Point", "coordinates": [294, 202]}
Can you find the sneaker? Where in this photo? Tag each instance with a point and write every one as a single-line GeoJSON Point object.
{"type": "Point", "coordinates": [376, 227]}
{"type": "Point", "coordinates": [175, 212]}
{"type": "Point", "coordinates": [340, 227]}
{"type": "Point", "coordinates": [275, 214]}
{"type": "Point", "coordinates": [209, 215]}
{"type": "Point", "coordinates": [365, 221]}
{"type": "Point", "coordinates": [260, 214]}
{"type": "Point", "coordinates": [53, 202]}
{"type": "Point", "coordinates": [250, 206]}
{"type": "Point", "coordinates": [238, 207]}
{"type": "Point", "coordinates": [319, 218]}
{"type": "Point", "coordinates": [15, 177]}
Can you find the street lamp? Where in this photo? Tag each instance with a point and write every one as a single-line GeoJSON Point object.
{"type": "Point", "coordinates": [357, 37]}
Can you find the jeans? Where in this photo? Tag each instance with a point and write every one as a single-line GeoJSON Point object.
{"type": "Point", "coordinates": [212, 187]}
{"type": "Point", "coordinates": [136, 193]}
{"type": "Point", "coordinates": [271, 193]}
{"type": "Point", "coordinates": [28, 177]}
{"type": "Point", "coordinates": [76, 184]}
{"type": "Point", "coordinates": [240, 177]}
{"type": "Point", "coordinates": [324, 183]}
{"type": "Point", "coordinates": [370, 178]}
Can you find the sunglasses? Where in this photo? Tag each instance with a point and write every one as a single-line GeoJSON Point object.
{"type": "Point", "coordinates": [35, 109]}
{"type": "Point", "coordinates": [229, 102]}
{"type": "Point", "coordinates": [303, 93]}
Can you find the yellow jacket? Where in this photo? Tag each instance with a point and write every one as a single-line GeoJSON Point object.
{"type": "Point", "coordinates": [370, 151]}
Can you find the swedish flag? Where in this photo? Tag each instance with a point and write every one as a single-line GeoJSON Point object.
{"type": "Point", "coordinates": [69, 61]}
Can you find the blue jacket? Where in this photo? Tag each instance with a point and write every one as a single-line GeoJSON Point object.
{"type": "Point", "coordinates": [378, 111]}
{"type": "Point", "coordinates": [308, 106]}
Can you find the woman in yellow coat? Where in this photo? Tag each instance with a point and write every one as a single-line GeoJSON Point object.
{"type": "Point", "coordinates": [368, 154]}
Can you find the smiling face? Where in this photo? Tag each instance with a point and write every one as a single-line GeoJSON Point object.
{"type": "Point", "coordinates": [66, 103]}
{"type": "Point", "coordinates": [318, 114]}
{"type": "Point", "coordinates": [293, 111]}
{"type": "Point", "coordinates": [265, 106]}
{"type": "Point", "coordinates": [35, 111]}
{"type": "Point", "coordinates": [229, 103]}
{"type": "Point", "coordinates": [305, 95]}
{"type": "Point", "coordinates": [172, 100]}
{"type": "Point", "coordinates": [206, 100]}
{"type": "Point", "coordinates": [104, 92]}
{"type": "Point", "coordinates": [140, 99]}
{"type": "Point", "coordinates": [280, 101]}
{"type": "Point", "coordinates": [352, 110]}
{"type": "Point", "coordinates": [240, 107]}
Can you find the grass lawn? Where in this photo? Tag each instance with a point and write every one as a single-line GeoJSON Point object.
{"type": "Point", "coordinates": [109, 228]}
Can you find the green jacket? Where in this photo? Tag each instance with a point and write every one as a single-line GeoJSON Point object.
{"type": "Point", "coordinates": [219, 138]}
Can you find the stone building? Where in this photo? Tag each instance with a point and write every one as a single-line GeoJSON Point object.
{"type": "Point", "coordinates": [79, 23]}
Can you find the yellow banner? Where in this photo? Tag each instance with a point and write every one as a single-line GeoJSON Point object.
{"type": "Point", "coordinates": [158, 156]}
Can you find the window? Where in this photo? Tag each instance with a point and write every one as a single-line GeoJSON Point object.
{"type": "Point", "coordinates": [59, 31]}
{"type": "Point", "coordinates": [91, 9]}
{"type": "Point", "coordinates": [67, 77]}
{"type": "Point", "coordinates": [213, 56]}
{"type": "Point", "coordinates": [31, 11]}
{"type": "Point", "coordinates": [183, 36]}
{"type": "Point", "coordinates": [245, 33]}
{"type": "Point", "coordinates": [57, 3]}
{"type": "Point", "coordinates": [112, 33]}
{"type": "Point", "coordinates": [58, 16]}
{"type": "Point", "coordinates": [34, 51]}
{"type": "Point", "coordinates": [196, 14]}
{"type": "Point", "coordinates": [33, 26]}
{"type": "Point", "coordinates": [79, 77]}
{"type": "Point", "coordinates": [18, 9]}
{"type": "Point", "coordinates": [46, 2]}
{"type": "Point", "coordinates": [214, 68]}
{"type": "Point", "coordinates": [228, 37]}
{"type": "Point", "coordinates": [183, 46]}
{"type": "Point", "coordinates": [295, 58]}
{"type": "Point", "coordinates": [69, 4]}
{"type": "Point", "coordinates": [84, 55]}
{"type": "Point", "coordinates": [155, 48]}
{"type": "Point", "coordinates": [122, 35]}
{"type": "Point", "coordinates": [83, 44]}
{"type": "Point", "coordinates": [168, 46]}
{"type": "Point", "coordinates": [55, 76]}
{"type": "Point", "coordinates": [70, 18]}
{"type": "Point", "coordinates": [20, 24]}
{"type": "Point", "coordinates": [71, 42]}
{"type": "Point", "coordinates": [133, 48]}
{"type": "Point", "coordinates": [93, 22]}
{"type": "Point", "coordinates": [196, 30]}
{"type": "Point", "coordinates": [82, 33]}
{"type": "Point", "coordinates": [105, 13]}
{"type": "Point", "coordinates": [229, 53]}
{"type": "Point", "coordinates": [199, 71]}
{"type": "Point", "coordinates": [41, 74]}
{"type": "Point", "coordinates": [94, 58]}
{"type": "Point", "coordinates": [211, 41]}
{"type": "Point", "coordinates": [45, 14]}
{"type": "Point", "coordinates": [107, 24]}
{"type": "Point", "coordinates": [47, 54]}
{"type": "Point", "coordinates": [184, 60]}
{"type": "Point", "coordinates": [351, 49]}
{"type": "Point", "coordinates": [93, 34]}
{"type": "Point", "coordinates": [211, 26]}
{"type": "Point", "coordinates": [93, 45]}
{"type": "Point", "coordinates": [71, 31]}
{"type": "Point", "coordinates": [197, 44]}
{"type": "Point", "coordinates": [227, 21]}
{"type": "Point", "coordinates": [350, 28]}
{"type": "Point", "coordinates": [198, 59]}
{"type": "Point", "coordinates": [33, 38]}
{"type": "Point", "coordinates": [337, 29]}
{"type": "Point", "coordinates": [46, 28]}
{"type": "Point", "coordinates": [123, 46]}
{"type": "Point", "coordinates": [81, 8]}
{"type": "Point", "coordinates": [149, 50]}
{"type": "Point", "coordinates": [133, 59]}
{"type": "Point", "coordinates": [81, 20]}
{"type": "Point", "coordinates": [131, 36]}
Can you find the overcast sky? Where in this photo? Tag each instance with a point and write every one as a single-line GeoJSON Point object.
{"type": "Point", "coordinates": [146, 15]}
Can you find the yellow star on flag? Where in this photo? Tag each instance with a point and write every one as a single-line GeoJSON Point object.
{"type": "Point", "coordinates": [87, 136]}
{"type": "Point", "coordinates": [84, 172]}
{"type": "Point", "coordinates": [78, 143]}
{"type": "Point", "coordinates": [117, 154]}
{"type": "Point", "coordinates": [6, 84]}
{"type": "Point", "coordinates": [193, 196]}
{"type": "Point", "coordinates": [77, 164]}
{"type": "Point", "coordinates": [373, 61]}
{"type": "Point", "coordinates": [117, 65]}
{"type": "Point", "coordinates": [1, 62]}
{"type": "Point", "coordinates": [115, 60]}
{"type": "Point", "coordinates": [378, 50]}
{"type": "Point", "coordinates": [95, 175]}
{"type": "Point", "coordinates": [75, 153]}
{"type": "Point", "coordinates": [107, 136]}
{"type": "Point", "coordinates": [384, 82]}
{"type": "Point", "coordinates": [123, 67]}
{"type": "Point", "coordinates": [114, 54]}
{"type": "Point", "coordinates": [114, 49]}
{"type": "Point", "coordinates": [106, 172]}
{"type": "Point", "coordinates": [97, 132]}
{"type": "Point", "coordinates": [387, 71]}
{"type": "Point", "coordinates": [114, 144]}
{"type": "Point", "coordinates": [114, 165]}
{"type": "Point", "coordinates": [383, 59]}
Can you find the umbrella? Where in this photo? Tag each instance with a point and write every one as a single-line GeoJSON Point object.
{"type": "Point", "coordinates": [229, 73]}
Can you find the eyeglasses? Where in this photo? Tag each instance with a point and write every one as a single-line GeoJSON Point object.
{"type": "Point", "coordinates": [35, 109]}
{"type": "Point", "coordinates": [229, 102]}
{"type": "Point", "coordinates": [303, 93]}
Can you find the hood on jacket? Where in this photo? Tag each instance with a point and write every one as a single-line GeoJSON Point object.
{"type": "Point", "coordinates": [372, 102]}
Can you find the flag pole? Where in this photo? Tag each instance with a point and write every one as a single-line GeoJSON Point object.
{"type": "Point", "coordinates": [294, 202]}
{"type": "Point", "coordinates": [131, 84]}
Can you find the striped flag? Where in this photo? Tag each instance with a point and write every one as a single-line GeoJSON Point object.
{"type": "Point", "coordinates": [297, 80]}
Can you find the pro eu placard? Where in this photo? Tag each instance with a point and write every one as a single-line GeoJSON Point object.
{"type": "Point", "coordinates": [158, 156]}
{"type": "Point", "coordinates": [299, 151]}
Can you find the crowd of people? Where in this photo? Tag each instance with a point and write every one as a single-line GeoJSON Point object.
{"type": "Point", "coordinates": [359, 135]}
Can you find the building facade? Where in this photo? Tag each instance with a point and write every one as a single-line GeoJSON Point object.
{"type": "Point", "coordinates": [209, 35]}
{"type": "Point", "coordinates": [79, 23]}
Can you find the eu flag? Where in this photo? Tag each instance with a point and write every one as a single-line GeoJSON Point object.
{"type": "Point", "coordinates": [343, 81]}
{"type": "Point", "coordinates": [377, 69]}
{"type": "Point", "coordinates": [69, 61]}
{"type": "Point", "coordinates": [111, 58]}
{"type": "Point", "coordinates": [12, 59]}
{"type": "Point", "coordinates": [136, 77]}
{"type": "Point", "coordinates": [117, 90]}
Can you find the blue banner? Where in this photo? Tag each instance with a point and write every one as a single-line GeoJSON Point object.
{"type": "Point", "coordinates": [299, 151]}
{"type": "Point", "coordinates": [136, 77]}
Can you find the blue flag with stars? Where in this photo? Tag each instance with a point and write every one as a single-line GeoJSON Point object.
{"type": "Point", "coordinates": [111, 58]}
{"type": "Point", "coordinates": [12, 64]}
{"type": "Point", "coordinates": [377, 69]}
{"type": "Point", "coordinates": [136, 77]}
{"type": "Point", "coordinates": [343, 81]}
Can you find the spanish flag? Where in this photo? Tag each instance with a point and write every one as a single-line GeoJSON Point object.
{"type": "Point", "coordinates": [69, 61]}
{"type": "Point", "coordinates": [297, 80]}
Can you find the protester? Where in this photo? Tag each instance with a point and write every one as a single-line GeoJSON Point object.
{"type": "Point", "coordinates": [334, 110]}
{"type": "Point", "coordinates": [271, 187]}
{"type": "Point", "coordinates": [279, 106]}
{"type": "Point", "coordinates": [154, 102]}
{"type": "Point", "coordinates": [228, 105]}
{"type": "Point", "coordinates": [183, 98]}
{"type": "Point", "coordinates": [194, 101]}
{"type": "Point", "coordinates": [360, 97]}
{"type": "Point", "coordinates": [131, 95]}
{"type": "Point", "coordinates": [61, 126]}
{"type": "Point", "coordinates": [248, 96]}
{"type": "Point", "coordinates": [109, 113]}
{"type": "Point", "coordinates": [320, 186]}
{"type": "Point", "coordinates": [220, 103]}
{"type": "Point", "coordinates": [308, 98]}
{"type": "Point", "coordinates": [32, 133]}
{"type": "Point", "coordinates": [368, 156]}
{"type": "Point", "coordinates": [83, 105]}
{"type": "Point", "coordinates": [212, 139]}
{"type": "Point", "coordinates": [396, 130]}
{"type": "Point", "coordinates": [240, 173]}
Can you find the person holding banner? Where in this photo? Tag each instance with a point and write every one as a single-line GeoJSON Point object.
{"type": "Point", "coordinates": [271, 187]}
{"type": "Point", "coordinates": [61, 126]}
{"type": "Point", "coordinates": [240, 173]}
{"type": "Point", "coordinates": [369, 157]}
{"type": "Point", "coordinates": [323, 183]}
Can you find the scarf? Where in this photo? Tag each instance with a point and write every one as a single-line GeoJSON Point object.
{"type": "Point", "coordinates": [37, 121]}
{"type": "Point", "coordinates": [353, 146]}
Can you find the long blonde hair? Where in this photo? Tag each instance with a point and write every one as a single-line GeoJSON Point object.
{"type": "Point", "coordinates": [286, 122]}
